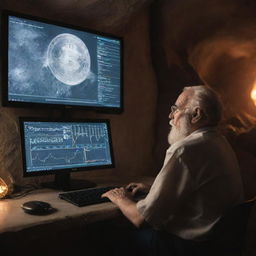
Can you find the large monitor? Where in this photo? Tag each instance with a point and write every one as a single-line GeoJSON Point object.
{"type": "Point", "coordinates": [50, 63]}
{"type": "Point", "coordinates": [60, 147]}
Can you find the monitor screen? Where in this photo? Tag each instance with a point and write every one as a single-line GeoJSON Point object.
{"type": "Point", "coordinates": [54, 64]}
{"type": "Point", "coordinates": [56, 147]}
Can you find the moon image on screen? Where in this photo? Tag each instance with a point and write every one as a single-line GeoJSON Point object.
{"type": "Point", "coordinates": [68, 59]}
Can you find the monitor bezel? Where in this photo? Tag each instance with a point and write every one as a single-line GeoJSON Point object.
{"type": "Point", "coordinates": [66, 170]}
{"type": "Point", "coordinates": [4, 63]}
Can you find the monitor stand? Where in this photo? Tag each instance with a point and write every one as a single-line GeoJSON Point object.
{"type": "Point", "coordinates": [62, 181]}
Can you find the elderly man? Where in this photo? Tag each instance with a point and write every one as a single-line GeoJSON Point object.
{"type": "Point", "coordinates": [199, 179]}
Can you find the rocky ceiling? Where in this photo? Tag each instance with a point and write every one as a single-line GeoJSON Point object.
{"type": "Point", "coordinates": [212, 41]}
{"type": "Point", "coordinates": [107, 15]}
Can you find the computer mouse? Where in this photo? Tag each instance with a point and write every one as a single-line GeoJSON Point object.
{"type": "Point", "coordinates": [37, 207]}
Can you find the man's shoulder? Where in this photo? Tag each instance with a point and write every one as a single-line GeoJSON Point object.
{"type": "Point", "coordinates": [193, 142]}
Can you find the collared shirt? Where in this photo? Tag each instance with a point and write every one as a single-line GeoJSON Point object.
{"type": "Point", "coordinates": [200, 179]}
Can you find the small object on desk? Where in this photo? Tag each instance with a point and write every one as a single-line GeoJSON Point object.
{"type": "Point", "coordinates": [85, 197]}
{"type": "Point", "coordinates": [3, 188]}
{"type": "Point", "coordinates": [37, 208]}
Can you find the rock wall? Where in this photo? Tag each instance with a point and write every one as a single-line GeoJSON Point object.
{"type": "Point", "coordinates": [213, 43]}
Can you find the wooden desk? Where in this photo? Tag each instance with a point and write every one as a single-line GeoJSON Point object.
{"type": "Point", "coordinates": [71, 230]}
{"type": "Point", "coordinates": [13, 218]}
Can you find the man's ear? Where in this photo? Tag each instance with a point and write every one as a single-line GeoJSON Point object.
{"type": "Point", "coordinates": [197, 115]}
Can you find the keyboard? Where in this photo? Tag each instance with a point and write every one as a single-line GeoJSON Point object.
{"type": "Point", "coordinates": [85, 197]}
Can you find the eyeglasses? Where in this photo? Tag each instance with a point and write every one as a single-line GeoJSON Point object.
{"type": "Point", "coordinates": [174, 108]}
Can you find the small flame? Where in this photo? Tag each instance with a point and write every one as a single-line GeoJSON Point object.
{"type": "Point", "coordinates": [253, 94]}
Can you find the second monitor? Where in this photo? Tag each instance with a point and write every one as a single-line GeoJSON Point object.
{"type": "Point", "coordinates": [60, 147]}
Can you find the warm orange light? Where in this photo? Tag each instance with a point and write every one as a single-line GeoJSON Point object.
{"type": "Point", "coordinates": [253, 94]}
{"type": "Point", "coordinates": [3, 188]}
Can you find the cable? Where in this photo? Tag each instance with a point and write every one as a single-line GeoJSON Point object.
{"type": "Point", "coordinates": [22, 191]}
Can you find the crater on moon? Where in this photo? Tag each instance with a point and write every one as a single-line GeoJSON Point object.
{"type": "Point", "coordinates": [68, 59]}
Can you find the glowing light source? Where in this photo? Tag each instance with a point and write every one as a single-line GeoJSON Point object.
{"type": "Point", "coordinates": [253, 94]}
{"type": "Point", "coordinates": [3, 188]}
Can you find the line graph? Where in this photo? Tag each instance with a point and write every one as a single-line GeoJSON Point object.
{"type": "Point", "coordinates": [51, 144]}
{"type": "Point", "coordinates": [88, 134]}
{"type": "Point", "coordinates": [58, 157]}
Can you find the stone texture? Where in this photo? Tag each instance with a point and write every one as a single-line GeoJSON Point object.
{"type": "Point", "coordinates": [106, 15]}
{"type": "Point", "coordinates": [181, 42]}
{"type": "Point", "coordinates": [200, 42]}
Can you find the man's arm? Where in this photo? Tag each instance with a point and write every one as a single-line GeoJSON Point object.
{"type": "Point", "coordinates": [128, 207]}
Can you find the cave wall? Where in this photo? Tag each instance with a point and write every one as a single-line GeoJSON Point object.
{"type": "Point", "coordinates": [168, 44]}
{"type": "Point", "coordinates": [133, 130]}
{"type": "Point", "coordinates": [212, 43]}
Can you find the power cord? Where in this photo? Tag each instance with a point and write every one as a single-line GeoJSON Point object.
{"type": "Point", "coordinates": [21, 191]}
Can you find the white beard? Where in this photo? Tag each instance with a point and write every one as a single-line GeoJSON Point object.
{"type": "Point", "coordinates": [178, 133]}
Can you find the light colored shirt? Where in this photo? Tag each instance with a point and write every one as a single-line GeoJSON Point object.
{"type": "Point", "coordinates": [200, 179]}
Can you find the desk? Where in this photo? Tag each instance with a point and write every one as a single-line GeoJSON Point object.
{"type": "Point", "coordinates": [56, 233]}
{"type": "Point", "coordinates": [13, 218]}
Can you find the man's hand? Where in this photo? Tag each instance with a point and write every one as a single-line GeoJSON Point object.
{"type": "Point", "coordinates": [117, 195]}
{"type": "Point", "coordinates": [136, 188]}
{"type": "Point", "coordinates": [122, 199]}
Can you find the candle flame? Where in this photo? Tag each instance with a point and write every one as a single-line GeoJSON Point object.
{"type": "Point", "coordinates": [253, 94]}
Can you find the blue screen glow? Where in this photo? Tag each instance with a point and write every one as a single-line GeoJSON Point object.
{"type": "Point", "coordinates": [65, 145]}
{"type": "Point", "coordinates": [53, 64]}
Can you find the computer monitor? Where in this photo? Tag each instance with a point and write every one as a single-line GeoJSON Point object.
{"type": "Point", "coordinates": [49, 63]}
{"type": "Point", "coordinates": [60, 147]}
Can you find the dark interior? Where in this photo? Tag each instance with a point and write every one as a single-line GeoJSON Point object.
{"type": "Point", "coordinates": [168, 44]}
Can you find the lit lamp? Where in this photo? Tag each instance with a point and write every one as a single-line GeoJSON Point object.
{"type": "Point", "coordinates": [253, 95]}
{"type": "Point", "coordinates": [3, 188]}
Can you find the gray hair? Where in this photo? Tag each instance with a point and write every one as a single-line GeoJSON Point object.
{"type": "Point", "coordinates": [208, 100]}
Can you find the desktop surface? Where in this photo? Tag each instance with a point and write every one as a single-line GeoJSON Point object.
{"type": "Point", "coordinates": [66, 231]}
{"type": "Point", "coordinates": [13, 218]}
